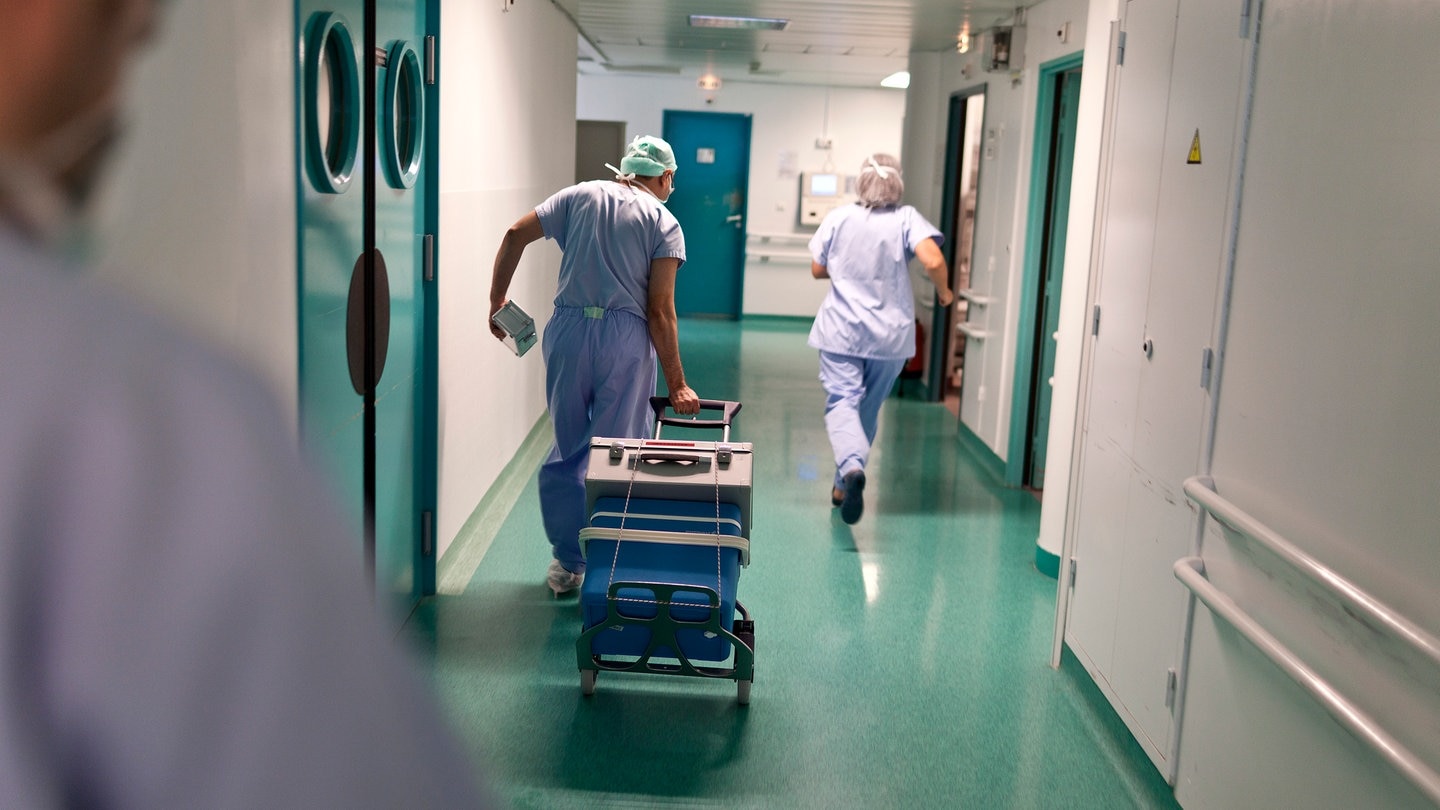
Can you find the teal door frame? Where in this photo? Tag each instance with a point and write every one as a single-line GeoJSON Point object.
{"type": "Point", "coordinates": [941, 324]}
{"type": "Point", "coordinates": [428, 452]}
{"type": "Point", "coordinates": [1035, 248]}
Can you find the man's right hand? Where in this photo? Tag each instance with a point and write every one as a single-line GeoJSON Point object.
{"type": "Point", "coordinates": [684, 401]}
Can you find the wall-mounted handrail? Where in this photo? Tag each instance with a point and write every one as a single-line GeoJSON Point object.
{"type": "Point", "coordinates": [772, 247]}
{"type": "Point", "coordinates": [801, 238]}
{"type": "Point", "coordinates": [1191, 572]}
{"type": "Point", "coordinates": [764, 256]}
{"type": "Point", "coordinates": [974, 297]}
{"type": "Point", "coordinates": [971, 332]}
{"type": "Point", "coordinates": [1201, 490]}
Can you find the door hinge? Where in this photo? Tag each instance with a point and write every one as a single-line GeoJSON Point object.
{"type": "Point", "coordinates": [1171, 681]}
{"type": "Point", "coordinates": [1207, 366]}
{"type": "Point", "coordinates": [427, 533]}
{"type": "Point", "coordinates": [429, 58]}
{"type": "Point", "coordinates": [429, 257]}
{"type": "Point", "coordinates": [1095, 321]}
{"type": "Point", "coordinates": [1120, 49]}
{"type": "Point", "coordinates": [1245, 14]}
{"type": "Point", "coordinates": [1074, 566]}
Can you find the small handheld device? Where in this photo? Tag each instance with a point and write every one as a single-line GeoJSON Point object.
{"type": "Point", "coordinates": [518, 327]}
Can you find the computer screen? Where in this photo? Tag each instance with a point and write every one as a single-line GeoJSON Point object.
{"type": "Point", "coordinates": [824, 185]}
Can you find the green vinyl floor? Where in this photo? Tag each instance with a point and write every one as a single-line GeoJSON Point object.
{"type": "Point", "coordinates": [900, 662]}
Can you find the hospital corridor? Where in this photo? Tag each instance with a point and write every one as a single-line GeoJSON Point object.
{"type": "Point", "coordinates": [1151, 518]}
{"type": "Point", "coordinates": [900, 662]}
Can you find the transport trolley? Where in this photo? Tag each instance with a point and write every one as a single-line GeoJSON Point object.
{"type": "Point", "coordinates": [669, 530]}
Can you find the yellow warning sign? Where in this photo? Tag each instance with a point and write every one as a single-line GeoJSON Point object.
{"type": "Point", "coordinates": [1194, 158]}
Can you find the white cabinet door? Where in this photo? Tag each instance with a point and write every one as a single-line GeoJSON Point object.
{"type": "Point", "coordinates": [1161, 261]}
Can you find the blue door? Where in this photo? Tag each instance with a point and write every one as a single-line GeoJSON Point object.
{"type": "Point", "coordinates": [712, 156]}
{"type": "Point", "coordinates": [367, 294]}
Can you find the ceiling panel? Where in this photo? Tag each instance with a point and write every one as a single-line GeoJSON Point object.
{"type": "Point", "coordinates": [842, 43]}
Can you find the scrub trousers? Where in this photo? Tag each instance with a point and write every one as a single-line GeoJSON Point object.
{"type": "Point", "coordinates": [856, 388]}
{"type": "Point", "coordinates": [600, 373]}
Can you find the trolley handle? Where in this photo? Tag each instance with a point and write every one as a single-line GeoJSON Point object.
{"type": "Point", "coordinates": [728, 410]}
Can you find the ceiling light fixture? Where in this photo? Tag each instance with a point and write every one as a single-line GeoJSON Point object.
{"type": "Point", "coordinates": [754, 23]}
{"type": "Point", "coordinates": [900, 79]}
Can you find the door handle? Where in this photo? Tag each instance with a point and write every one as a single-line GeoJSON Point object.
{"type": "Point", "coordinates": [733, 218]}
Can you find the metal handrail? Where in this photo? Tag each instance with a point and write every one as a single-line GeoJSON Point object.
{"type": "Point", "coordinates": [777, 256]}
{"type": "Point", "coordinates": [1191, 572]}
{"type": "Point", "coordinates": [1201, 490]}
{"type": "Point", "coordinates": [975, 298]}
{"type": "Point", "coordinates": [971, 332]}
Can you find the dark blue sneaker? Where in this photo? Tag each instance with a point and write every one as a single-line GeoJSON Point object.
{"type": "Point", "coordinates": [853, 504]}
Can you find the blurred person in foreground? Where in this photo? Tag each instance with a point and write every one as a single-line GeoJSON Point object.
{"type": "Point", "coordinates": [614, 313]}
{"type": "Point", "coordinates": [183, 621]}
{"type": "Point", "coordinates": [865, 329]}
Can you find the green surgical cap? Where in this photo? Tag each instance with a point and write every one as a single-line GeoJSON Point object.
{"type": "Point", "coordinates": [648, 156]}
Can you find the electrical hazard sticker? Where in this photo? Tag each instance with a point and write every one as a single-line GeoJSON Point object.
{"type": "Point", "coordinates": [1194, 158]}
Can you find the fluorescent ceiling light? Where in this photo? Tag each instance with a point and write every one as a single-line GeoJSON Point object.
{"type": "Point", "coordinates": [900, 78]}
{"type": "Point", "coordinates": [710, 21]}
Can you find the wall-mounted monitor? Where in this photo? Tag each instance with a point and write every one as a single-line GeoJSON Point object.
{"type": "Point", "coordinates": [824, 185]}
{"type": "Point", "coordinates": [820, 192]}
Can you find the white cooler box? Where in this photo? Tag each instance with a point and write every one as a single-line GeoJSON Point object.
{"type": "Point", "coordinates": [671, 470]}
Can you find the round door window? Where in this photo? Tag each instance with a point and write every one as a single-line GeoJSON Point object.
{"type": "Point", "coordinates": [404, 117]}
{"type": "Point", "coordinates": [332, 103]}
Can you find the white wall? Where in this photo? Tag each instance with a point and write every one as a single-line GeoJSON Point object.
{"type": "Point", "coordinates": [507, 141]}
{"type": "Point", "coordinates": [1000, 230]}
{"type": "Point", "coordinates": [787, 120]}
{"type": "Point", "coordinates": [198, 217]}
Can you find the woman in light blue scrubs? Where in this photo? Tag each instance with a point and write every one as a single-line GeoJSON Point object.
{"type": "Point", "coordinates": [865, 329]}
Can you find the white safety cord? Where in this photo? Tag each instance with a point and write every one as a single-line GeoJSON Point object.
{"type": "Point", "coordinates": [883, 171]}
{"type": "Point", "coordinates": [629, 180]}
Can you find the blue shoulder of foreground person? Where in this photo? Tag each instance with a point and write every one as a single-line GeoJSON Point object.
{"type": "Point", "coordinates": [183, 616]}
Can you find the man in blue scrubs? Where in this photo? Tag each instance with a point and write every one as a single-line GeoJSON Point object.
{"type": "Point", "coordinates": [184, 621]}
{"type": "Point", "coordinates": [614, 312]}
{"type": "Point", "coordinates": [865, 329]}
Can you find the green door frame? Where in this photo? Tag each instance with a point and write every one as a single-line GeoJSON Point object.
{"type": "Point", "coordinates": [1030, 280]}
{"type": "Point", "coordinates": [427, 454]}
{"type": "Point", "coordinates": [933, 388]}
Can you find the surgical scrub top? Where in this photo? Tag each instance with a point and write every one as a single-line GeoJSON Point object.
{"type": "Point", "coordinates": [609, 232]}
{"type": "Point", "coordinates": [870, 309]}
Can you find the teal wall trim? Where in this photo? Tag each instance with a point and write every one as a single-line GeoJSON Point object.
{"type": "Point", "coordinates": [1148, 788]}
{"type": "Point", "coordinates": [1047, 563]}
{"type": "Point", "coordinates": [977, 449]}
{"type": "Point", "coordinates": [457, 567]}
{"type": "Point", "coordinates": [1030, 277]}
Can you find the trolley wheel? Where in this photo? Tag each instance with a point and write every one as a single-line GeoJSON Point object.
{"type": "Point", "coordinates": [587, 682]}
{"type": "Point", "coordinates": [742, 692]}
